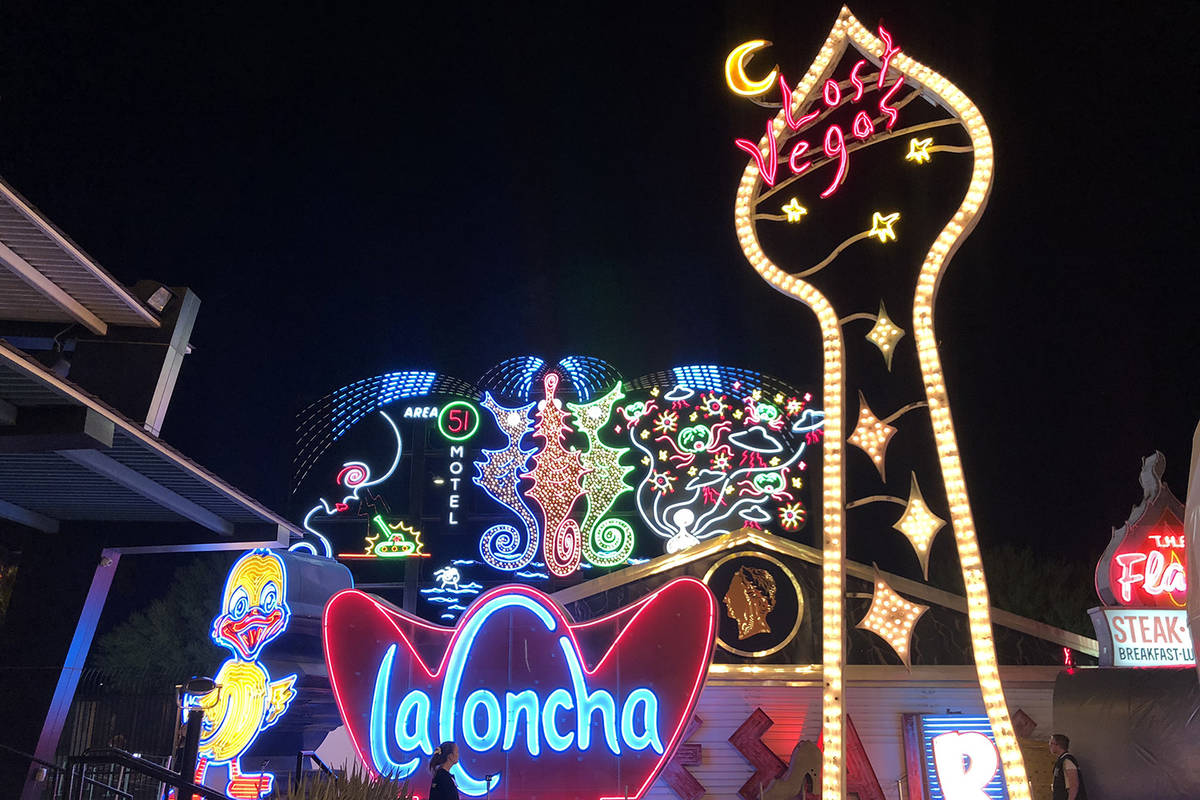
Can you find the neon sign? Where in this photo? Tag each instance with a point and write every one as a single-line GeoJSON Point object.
{"type": "Point", "coordinates": [1145, 564]}
{"type": "Point", "coordinates": [356, 477]}
{"type": "Point", "coordinates": [1143, 637]}
{"type": "Point", "coordinates": [961, 758]}
{"type": "Point", "coordinates": [247, 701]}
{"type": "Point", "coordinates": [596, 713]}
{"type": "Point", "coordinates": [388, 540]}
{"type": "Point", "coordinates": [833, 141]}
{"type": "Point", "coordinates": [581, 471]}
{"type": "Point", "coordinates": [717, 462]}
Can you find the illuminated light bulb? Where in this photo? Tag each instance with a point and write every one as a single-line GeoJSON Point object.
{"type": "Point", "coordinates": [884, 335]}
{"type": "Point", "coordinates": [881, 226]}
{"type": "Point", "coordinates": [794, 210]}
{"type": "Point", "coordinates": [871, 435]}
{"type": "Point", "coordinates": [892, 618]}
{"type": "Point", "coordinates": [918, 150]}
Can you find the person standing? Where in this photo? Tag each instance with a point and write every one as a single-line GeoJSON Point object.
{"type": "Point", "coordinates": [1068, 777]}
{"type": "Point", "coordinates": [443, 787]}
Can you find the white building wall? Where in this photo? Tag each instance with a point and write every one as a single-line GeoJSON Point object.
{"type": "Point", "coordinates": [876, 697]}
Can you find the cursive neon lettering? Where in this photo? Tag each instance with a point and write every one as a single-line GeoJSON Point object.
{"type": "Point", "coordinates": [863, 126]}
{"type": "Point", "coordinates": [832, 92]}
{"type": "Point", "coordinates": [856, 81]}
{"type": "Point", "coordinates": [649, 736]}
{"type": "Point", "coordinates": [384, 764]}
{"type": "Point", "coordinates": [888, 52]}
{"type": "Point", "coordinates": [514, 705]}
{"type": "Point", "coordinates": [483, 725]}
{"type": "Point", "coordinates": [412, 724]}
{"type": "Point", "coordinates": [599, 700]}
{"type": "Point", "coordinates": [834, 134]}
{"type": "Point", "coordinates": [891, 112]}
{"type": "Point", "coordinates": [766, 167]}
{"type": "Point", "coordinates": [800, 149]}
{"type": "Point", "coordinates": [481, 698]}
{"type": "Point", "coordinates": [559, 698]}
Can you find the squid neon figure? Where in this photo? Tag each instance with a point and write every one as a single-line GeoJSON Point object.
{"type": "Point", "coordinates": [246, 700]}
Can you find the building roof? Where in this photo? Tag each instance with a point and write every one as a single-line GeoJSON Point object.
{"type": "Point", "coordinates": [136, 478]}
{"type": "Point", "coordinates": [45, 277]}
{"type": "Point", "coordinates": [748, 536]}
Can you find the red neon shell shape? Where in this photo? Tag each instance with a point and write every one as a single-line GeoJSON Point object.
{"type": "Point", "coordinates": [664, 641]}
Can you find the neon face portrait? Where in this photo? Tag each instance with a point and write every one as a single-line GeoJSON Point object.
{"type": "Point", "coordinates": [551, 707]}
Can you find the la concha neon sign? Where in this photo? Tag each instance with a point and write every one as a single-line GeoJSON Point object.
{"type": "Point", "coordinates": [539, 706]}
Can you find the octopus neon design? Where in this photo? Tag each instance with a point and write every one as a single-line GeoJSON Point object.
{"type": "Point", "coordinates": [246, 701]}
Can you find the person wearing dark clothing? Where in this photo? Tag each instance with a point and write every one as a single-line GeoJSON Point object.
{"type": "Point", "coordinates": [1068, 777]}
{"type": "Point", "coordinates": [443, 787]}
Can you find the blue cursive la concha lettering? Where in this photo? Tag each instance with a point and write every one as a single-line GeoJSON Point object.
{"type": "Point", "coordinates": [562, 719]}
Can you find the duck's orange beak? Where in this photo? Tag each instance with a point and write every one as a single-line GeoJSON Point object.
{"type": "Point", "coordinates": [248, 634]}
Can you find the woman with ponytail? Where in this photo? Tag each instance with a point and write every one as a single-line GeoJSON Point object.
{"type": "Point", "coordinates": [445, 756]}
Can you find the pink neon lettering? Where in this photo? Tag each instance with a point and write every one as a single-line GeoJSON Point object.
{"type": "Point", "coordinates": [863, 126]}
{"type": "Point", "coordinates": [835, 132]}
{"type": "Point", "coordinates": [1127, 561]}
{"type": "Point", "coordinates": [800, 149]}
{"type": "Point", "coordinates": [832, 92]}
{"type": "Point", "coordinates": [1158, 576]}
{"type": "Point", "coordinates": [765, 168]}
{"type": "Point", "coordinates": [786, 96]}
{"type": "Point", "coordinates": [883, 103]}
{"type": "Point", "coordinates": [792, 122]}
{"type": "Point", "coordinates": [888, 52]}
{"type": "Point", "coordinates": [857, 81]}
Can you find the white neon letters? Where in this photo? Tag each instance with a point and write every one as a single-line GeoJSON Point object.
{"type": "Point", "coordinates": [959, 780]}
{"type": "Point", "coordinates": [483, 723]}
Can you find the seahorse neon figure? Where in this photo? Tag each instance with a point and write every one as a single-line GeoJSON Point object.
{"type": "Point", "coordinates": [633, 723]}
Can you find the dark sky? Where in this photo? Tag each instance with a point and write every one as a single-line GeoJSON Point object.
{"type": "Point", "coordinates": [441, 186]}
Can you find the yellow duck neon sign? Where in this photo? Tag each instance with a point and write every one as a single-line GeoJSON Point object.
{"type": "Point", "coordinates": [246, 701]}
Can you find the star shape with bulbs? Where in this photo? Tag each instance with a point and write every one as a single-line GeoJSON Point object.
{"type": "Point", "coordinates": [919, 525]}
{"type": "Point", "coordinates": [892, 618]}
{"type": "Point", "coordinates": [884, 335]}
{"type": "Point", "coordinates": [871, 435]}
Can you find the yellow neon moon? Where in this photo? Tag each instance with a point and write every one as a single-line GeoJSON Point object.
{"type": "Point", "coordinates": [735, 70]}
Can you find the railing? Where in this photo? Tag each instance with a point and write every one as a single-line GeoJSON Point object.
{"type": "Point", "coordinates": [77, 781]}
{"type": "Point", "coordinates": [298, 779]}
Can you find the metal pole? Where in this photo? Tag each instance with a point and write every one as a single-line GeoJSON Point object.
{"type": "Point", "coordinates": [191, 747]}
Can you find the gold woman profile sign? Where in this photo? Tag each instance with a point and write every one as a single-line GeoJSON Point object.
{"type": "Point", "coordinates": [791, 151]}
{"type": "Point", "coordinates": [750, 598]}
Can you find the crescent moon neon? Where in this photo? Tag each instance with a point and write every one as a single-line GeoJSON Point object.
{"type": "Point", "coordinates": [735, 70]}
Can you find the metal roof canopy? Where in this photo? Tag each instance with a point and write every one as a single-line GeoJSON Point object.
{"type": "Point", "coordinates": [64, 456]}
{"type": "Point", "coordinates": [45, 277]}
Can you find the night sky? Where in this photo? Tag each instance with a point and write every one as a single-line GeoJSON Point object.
{"type": "Point", "coordinates": [440, 186]}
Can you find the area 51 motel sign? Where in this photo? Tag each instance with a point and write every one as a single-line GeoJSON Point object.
{"type": "Point", "coordinates": [539, 705]}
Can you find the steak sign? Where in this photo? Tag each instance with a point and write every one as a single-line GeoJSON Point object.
{"type": "Point", "coordinates": [539, 705]}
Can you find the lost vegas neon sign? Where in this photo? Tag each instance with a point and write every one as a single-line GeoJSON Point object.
{"type": "Point", "coordinates": [546, 706]}
{"type": "Point", "coordinates": [833, 93]}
